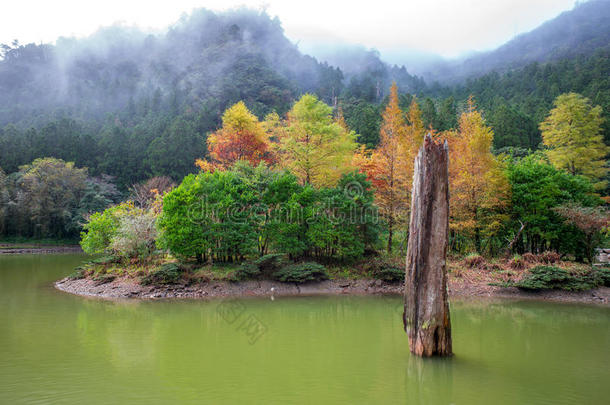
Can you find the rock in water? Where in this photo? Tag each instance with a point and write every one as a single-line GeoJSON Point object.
{"type": "Point", "coordinates": [426, 315]}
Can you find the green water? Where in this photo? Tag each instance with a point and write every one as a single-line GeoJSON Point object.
{"type": "Point", "coordinates": [59, 348]}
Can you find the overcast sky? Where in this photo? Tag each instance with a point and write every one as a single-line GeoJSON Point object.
{"type": "Point", "coordinates": [445, 27]}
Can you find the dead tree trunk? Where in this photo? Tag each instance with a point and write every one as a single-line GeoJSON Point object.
{"type": "Point", "coordinates": [426, 315]}
{"type": "Point", "coordinates": [513, 242]}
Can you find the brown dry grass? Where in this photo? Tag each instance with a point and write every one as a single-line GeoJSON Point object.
{"type": "Point", "coordinates": [476, 270]}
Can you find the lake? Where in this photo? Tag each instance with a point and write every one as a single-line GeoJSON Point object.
{"type": "Point", "coordinates": [60, 348]}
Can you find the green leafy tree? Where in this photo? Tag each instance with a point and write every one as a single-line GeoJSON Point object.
{"type": "Point", "coordinates": [208, 217]}
{"type": "Point", "coordinates": [123, 229]}
{"type": "Point", "coordinates": [53, 189]}
{"type": "Point", "coordinates": [101, 228]}
{"type": "Point", "coordinates": [246, 211]}
{"type": "Point", "coordinates": [429, 114]}
{"type": "Point", "coordinates": [447, 114]}
{"type": "Point", "coordinates": [537, 188]}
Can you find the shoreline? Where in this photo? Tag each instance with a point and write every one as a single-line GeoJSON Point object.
{"type": "Point", "coordinates": [8, 249]}
{"type": "Point", "coordinates": [129, 288]}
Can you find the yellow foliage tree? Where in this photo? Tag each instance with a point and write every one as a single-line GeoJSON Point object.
{"type": "Point", "coordinates": [415, 129]}
{"type": "Point", "coordinates": [313, 146]}
{"type": "Point", "coordinates": [479, 188]}
{"type": "Point", "coordinates": [572, 132]}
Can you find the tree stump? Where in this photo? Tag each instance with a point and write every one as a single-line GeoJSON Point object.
{"type": "Point", "coordinates": [426, 315]}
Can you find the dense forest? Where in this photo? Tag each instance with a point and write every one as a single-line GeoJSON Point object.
{"type": "Point", "coordinates": [125, 107]}
{"type": "Point", "coordinates": [133, 106]}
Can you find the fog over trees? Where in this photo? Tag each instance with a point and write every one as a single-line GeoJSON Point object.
{"type": "Point", "coordinates": [129, 105]}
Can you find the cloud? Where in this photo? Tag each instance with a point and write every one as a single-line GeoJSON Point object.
{"type": "Point", "coordinates": [446, 27]}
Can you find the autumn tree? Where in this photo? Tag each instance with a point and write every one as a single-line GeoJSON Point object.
{"type": "Point", "coordinates": [144, 194]}
{"type": "Point", "coordinates": [242, 137]}
{"type": "Point", "coordinates": [390, 166]}
{"type": "Point", "coordinates": [479, 188]}
{"type": "Point", "coordinates": [313, 146]}
{"type": "Point", "coordinates": [415, 128]}
{"type": "Point", "coordinates": [573, 133]}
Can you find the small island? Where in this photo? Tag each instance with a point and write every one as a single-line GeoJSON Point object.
{"type": "Point", "coordinates": [472, 276]}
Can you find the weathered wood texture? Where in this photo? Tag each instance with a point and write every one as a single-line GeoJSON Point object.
{"type": "Point", "coordinates": [426, 315]}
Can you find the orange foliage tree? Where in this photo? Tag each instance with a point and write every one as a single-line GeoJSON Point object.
{"type": "Point", "coordinates": [390, 166]}
{"type": "Point", "coordinates": [242, 137]}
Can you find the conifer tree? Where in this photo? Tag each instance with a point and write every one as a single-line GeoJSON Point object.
{"type": "Point", "coordinates": [390, 167]}
{"type": "Point", "coordinates": [572, 131]}
{"type": "Point", "coordinates": [479, 188]}
{"type": "Point", "coordinates": [313, 146]}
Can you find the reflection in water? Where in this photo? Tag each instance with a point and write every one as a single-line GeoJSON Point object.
{"type": "Point", "coordinates": [55, 347]}
{"type": "Point", "coordinates": [429, 380]}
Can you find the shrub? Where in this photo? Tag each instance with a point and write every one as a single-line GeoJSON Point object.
{"type": "Point", "coordinates": [301, 273]}
{"type": "Point", "coordinates": [168, 273]}
{"type": "Point", "coordinates": [106, 260]}
{"type": "Point", "coordinates": [475, 260]}
{"type": "Point", "coordinates": [135, 235]}
{"type": "Point", "coordinates": [77, 274]}
{"type": "Point", "coordinates": [516, 263]}
{"type": "Point", "coordinates": [549, 257]}
{"type": "Point", "coordinates": [246, 271]}
{"type": "Point", "coordinates": [104, 278]}
{"type": "Point", "coordinates": [99, 230]}
{"type": "Point", "coordinates": [332, 223]}
{"type": "Point", "coordinates": [529, 257]}
{"type": "Point", "coordinates": [390, 270]}
{"type": "Point", "coordinates": [550, 277]}
{"type": "Point", "coordinates": [123, 230]}
{"type": "Point", "coordinates": [391, 274]}
{"type": "Point", "coordinates": [268, 264]}
{"type": "Point", "coordinates": [604, 276]}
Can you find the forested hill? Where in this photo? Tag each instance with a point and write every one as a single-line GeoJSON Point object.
{"type": "Point", "coordinates": [133, 105]}
{"type": "Point", "coordinates": [210, 59]}
{"type": "Point", "coordinates": [206, 58]}
{"type": "Point", "coordinates": [580, 31]}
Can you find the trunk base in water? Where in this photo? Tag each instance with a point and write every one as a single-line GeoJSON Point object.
{"type": "Point", "coordinates": [426, 316]}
